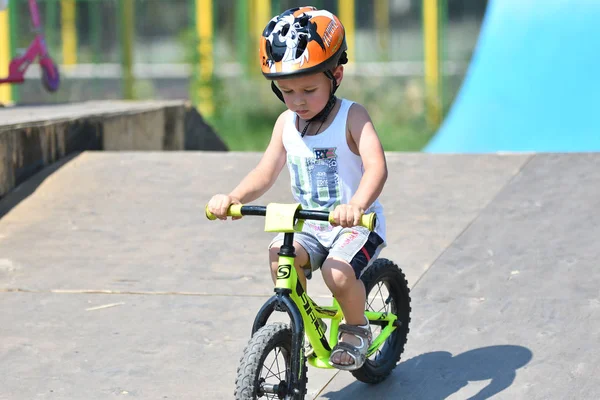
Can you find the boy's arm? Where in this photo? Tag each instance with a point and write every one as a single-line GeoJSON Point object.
{"type": "Point", "coordinates": [363, 141]}
{"type": "Point", "coordinates": [367, 144]}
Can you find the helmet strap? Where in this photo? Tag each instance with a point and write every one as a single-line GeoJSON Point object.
{"type": "Point", "coordinates": [277, 92]}
{"type": "Point", "coordinates": [322, 116]}
{"type": "Point", "coordinates": [329, 74]}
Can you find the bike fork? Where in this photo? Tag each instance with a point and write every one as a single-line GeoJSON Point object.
{"type": "Point", "coordinates": [282, 302]}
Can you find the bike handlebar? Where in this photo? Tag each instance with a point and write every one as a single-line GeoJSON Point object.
{"type": "Point", "coordinates": [239, 210]}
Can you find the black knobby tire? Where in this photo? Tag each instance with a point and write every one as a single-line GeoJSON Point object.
{"type": "Point", "coordinates": [384, 274]}
{"type": "Point", "coordinates": [250, 375]}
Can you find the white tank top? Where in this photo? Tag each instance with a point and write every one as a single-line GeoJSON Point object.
{"type": "Point", "coordinates": [324, 172]}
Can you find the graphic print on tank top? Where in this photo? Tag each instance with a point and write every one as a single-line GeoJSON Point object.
{"type": "Point", "coordinates": [315, 180]}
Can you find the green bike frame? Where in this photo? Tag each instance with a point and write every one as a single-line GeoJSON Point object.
{"type": "Point", "coordinates": [288, 286]}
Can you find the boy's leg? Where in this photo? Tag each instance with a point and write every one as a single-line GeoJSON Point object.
{"type": "Point", "coordinates": [350, 293]}
{"type": "Point", "coordinates": [352, 252]}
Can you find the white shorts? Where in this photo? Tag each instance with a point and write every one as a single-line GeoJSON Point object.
{"type": "Point", "coordinates": [358, 246]}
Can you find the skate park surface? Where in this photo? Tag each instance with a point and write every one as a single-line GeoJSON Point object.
{"type": "Point", "coordinates": [113, 284]}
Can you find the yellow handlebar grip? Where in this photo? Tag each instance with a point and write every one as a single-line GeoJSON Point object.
{"type": "Point", "coordinates": [208, 214]}
{"type": "Point", "coordinates": [367, 220]}
{"type": "Point", "coordinates": [235, 210]}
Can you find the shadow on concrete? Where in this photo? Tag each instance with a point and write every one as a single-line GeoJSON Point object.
{"type": "Point", "coordinates": [438, 375]}
{"type": "Point", "coordinates": [27, 187]}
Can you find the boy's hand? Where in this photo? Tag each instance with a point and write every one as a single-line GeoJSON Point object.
{"type": "Point", "coordinates": [347, 215]}
{"type": "Point", "coordinates": [219, 204]}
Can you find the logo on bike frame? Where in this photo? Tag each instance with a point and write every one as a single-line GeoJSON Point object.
{"type": "Point", "coordinates": [283, 271]}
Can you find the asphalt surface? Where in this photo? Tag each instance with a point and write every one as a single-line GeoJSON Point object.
{"type": "Point", "coordinates": [114, 285]}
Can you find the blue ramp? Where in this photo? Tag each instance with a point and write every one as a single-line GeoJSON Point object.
{"type": "Point", "coordinates": [533, 83]}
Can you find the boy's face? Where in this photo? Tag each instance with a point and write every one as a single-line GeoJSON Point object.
{"type": "Point", "coordinates": [308, 95]}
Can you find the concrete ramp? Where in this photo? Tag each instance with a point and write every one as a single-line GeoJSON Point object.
{"type": "Point", "coordinates": [532, 84]}
{"type": "Point", "coordinates": [113, 283]}
{"type": "Point", "coordinates": [33, 137]}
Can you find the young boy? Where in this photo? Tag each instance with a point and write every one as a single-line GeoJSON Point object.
{"type": "Point", "coordinates": [335, 160]}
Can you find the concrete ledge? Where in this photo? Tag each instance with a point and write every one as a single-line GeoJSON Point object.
{"type": "Point", "coordinates": [36, 136]}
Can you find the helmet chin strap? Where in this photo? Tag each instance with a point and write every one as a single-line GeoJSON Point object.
{"type": "Point", "coordinates": [321, 116]}
{"type": "Point", "coordinates": [324, 113]}
{"type": "Point", "coordinates": [277, 92]}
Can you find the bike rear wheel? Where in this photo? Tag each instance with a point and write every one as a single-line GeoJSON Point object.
{"type": "Point", "coordinates": [387, 291]}
{"type": "Point", "coordinates": [264, 371]}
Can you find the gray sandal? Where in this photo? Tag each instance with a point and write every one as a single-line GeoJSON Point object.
{"type": "Point", "coordinates": [358, 353]}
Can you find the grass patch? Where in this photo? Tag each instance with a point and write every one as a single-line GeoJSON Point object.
{"type": "Point", "coordinates": [246, 110]}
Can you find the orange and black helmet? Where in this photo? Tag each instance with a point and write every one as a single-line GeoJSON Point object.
{"type": "Point", "coordinates": [301, 41]}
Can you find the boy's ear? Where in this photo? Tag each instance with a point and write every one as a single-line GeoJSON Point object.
{"type": "Point", "coordinates": [338, 74]}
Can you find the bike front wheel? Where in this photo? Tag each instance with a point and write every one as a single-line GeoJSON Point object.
{"type": "Point", "coordinates": [264, 371]}
{"type": "Point", "coordinates": [387, 291]}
